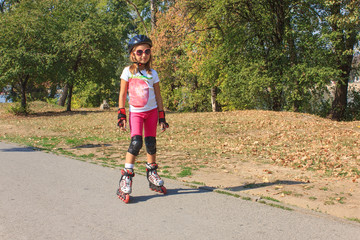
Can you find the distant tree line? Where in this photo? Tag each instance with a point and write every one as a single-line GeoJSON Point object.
{"type": "Point", "coordinates": [211, 55]}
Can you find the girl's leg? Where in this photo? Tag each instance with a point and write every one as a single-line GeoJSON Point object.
{"type": "Point", "coordinates": [151, 158]}
{"type": "Point", "coordinates": [136, 122]}
{"type": "Point", "coordinates": [129, 159]}
{"type": "Point", "coordinates": [150, 126]}
{"type": "Point", "coordinates": [125, 183]}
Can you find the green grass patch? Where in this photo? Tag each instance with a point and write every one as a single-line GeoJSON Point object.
{"type": "Point", "coordinates": [270, 198]}
{"type": "Point", "coordinates": [233, 195]}
{"type": "Point", "coordinates": [186, 171]}
{"type": "Point", "coordinates": [168, 176]}
{"type": "Point", "coordinates": [198, 183]}
{"type": "Point", "coordinates": [287, 192]}
{"type": "Point", "coordinates": [354, 219]}
{"type": "Point", "coordinates": [91, 155]}
{"type": "Point", "coordinates": [276, 205]}
{"type": "Point", "coordinates": [228, 193]}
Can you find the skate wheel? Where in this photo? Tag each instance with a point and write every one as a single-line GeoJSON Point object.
{"type": "Point", "coordinates": [126, 199]}
{"type": "Point", "coordinates": [163, 189]}
{"type": "Point", "coordinates": [123, 197]}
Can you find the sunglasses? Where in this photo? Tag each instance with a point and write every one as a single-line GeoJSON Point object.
{"type": "Point", "coordinates": [141, 52]}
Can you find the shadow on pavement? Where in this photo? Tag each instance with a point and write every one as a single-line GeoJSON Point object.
{"type": "Point", "coordinates": [176, 191]}
{"type": "Point", "coordinates": [18, 149]}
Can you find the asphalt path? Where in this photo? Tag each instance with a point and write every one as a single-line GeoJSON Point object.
{"type": "Point", "coordinates": [46, 196]}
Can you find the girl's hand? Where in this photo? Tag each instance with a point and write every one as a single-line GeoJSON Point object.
{"type": "Point", "coordinates": [122, 125]}
{"type": "Point", "coordinates": [122, 119]}
{"type": "Point", "coordinates": [164, 126]}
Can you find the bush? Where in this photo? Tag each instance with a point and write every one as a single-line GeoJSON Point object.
{"type": "Point", "coordinates": [17, 109]}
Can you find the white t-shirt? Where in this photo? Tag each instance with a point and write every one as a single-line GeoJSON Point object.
{"type": "Point", "coordinates": [141, 89]}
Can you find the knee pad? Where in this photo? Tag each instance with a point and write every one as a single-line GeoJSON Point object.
{"type": "Point", "coordinates": [135, 145]}
{"type": "Point", "coordinates": [150, 143]}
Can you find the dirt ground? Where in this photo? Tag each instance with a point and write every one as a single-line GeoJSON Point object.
{"type": "Point", "coordinates": [336, 197]}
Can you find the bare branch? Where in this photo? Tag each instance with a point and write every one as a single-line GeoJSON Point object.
{"type": "Point", "coordinates": [138, 13]}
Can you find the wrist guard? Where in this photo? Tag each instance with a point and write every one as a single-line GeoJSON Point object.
{"type": "Point", "coordinates": [121, 117]}
{"type": "Point", "coordinates": [162, 119]}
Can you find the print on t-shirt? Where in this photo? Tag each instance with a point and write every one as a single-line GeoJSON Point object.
{"type": "Point", "coordinates": [138, 91]}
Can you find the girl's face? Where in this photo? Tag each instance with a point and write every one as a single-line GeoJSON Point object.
{"type": "Point", "coordinates": [142, 53]}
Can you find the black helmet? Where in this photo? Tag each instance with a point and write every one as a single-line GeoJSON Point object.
{"type": "Point", "coordinates": [138, 39]}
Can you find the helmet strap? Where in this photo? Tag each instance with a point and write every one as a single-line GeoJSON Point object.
{"type": "Point", "coordinates": [139, 64]}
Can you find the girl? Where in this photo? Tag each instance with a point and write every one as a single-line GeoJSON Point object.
{"type": "Point", "coordinates": [145, 105]}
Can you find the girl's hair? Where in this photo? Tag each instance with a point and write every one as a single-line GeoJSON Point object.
{"type": "Point", "coordinates": [134, 67]}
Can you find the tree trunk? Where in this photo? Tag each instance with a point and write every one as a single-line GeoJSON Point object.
{"type": "Point", "coordinates": [153, 7]}
{"type": "Point", "coordinates": [293, 62]}
{"type": "Point", "coordinates": [340, 100]}
{"type": "Point", "coordinates": [71, 85]}
{"type": "Point", "coordinates": [23, 85]}
{"type": "Point", "coordinates": [214, 103]}
{"type": "Point", "coordinates": [339, 104]}
{"type": "Point", "coordinates": [68, 107]}
{"type": "Point", "coordinates": [344, 62]}
{"type": "Point", "coordinates": [276, 101]}
{"type": "Point", "coordinates": [279, 17]}
{"type": "Point", "coordinates": [64, 95]}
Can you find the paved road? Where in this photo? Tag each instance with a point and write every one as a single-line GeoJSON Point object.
{"type": "Point", "coordinates": [45, 196]}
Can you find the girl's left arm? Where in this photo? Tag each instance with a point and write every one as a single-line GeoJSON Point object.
{"type": "Point", "coordinates": [163, 123]}
{"type": "Point", "coordinates": [158, 97]}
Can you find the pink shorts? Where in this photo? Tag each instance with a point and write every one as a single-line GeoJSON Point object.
{"type": "Point", "coordinates": [147, 120]}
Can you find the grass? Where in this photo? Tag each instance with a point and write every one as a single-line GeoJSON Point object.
{"type": "Point", "coordinates": [265, 136]}
{"type": "Point", "coordinates": [354, 219]}
{"type": "Point", "coordinates": [270, 198]}
{"type": "Point", "coordinates": [186, 171]}
{"type": "Point", "coordinates": [197, 183]}
{"type": "Point", "coordinates": [233, 195]}
{"type": "Point", "coordinates": [276, 205]}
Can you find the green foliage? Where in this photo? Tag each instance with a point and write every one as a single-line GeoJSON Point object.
{"type": "Point", "coordinates": [49, 43]}
{"type": "Point", "coordinates": [18, 110]}
{"type": "Point", "coordinates": [251, 54]}
{"type": "Point", "coordinates": [257, 54]}
{"type": "Point", "coordinates": [24, 48]}
{"type": "Point", "coordinates": [92, 94]}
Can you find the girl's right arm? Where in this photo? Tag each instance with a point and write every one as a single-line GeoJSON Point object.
{"type": "Point", "coordinates": [122, 99]}
{"type": "Point", "coordinates": [123, 93]}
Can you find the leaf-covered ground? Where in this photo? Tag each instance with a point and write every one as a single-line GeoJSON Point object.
{"type": "Point", "coordinates": [294, 158]}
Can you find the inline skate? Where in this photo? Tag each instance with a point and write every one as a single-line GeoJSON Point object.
{"type": "Point", "coordinates": [125, 184]}
{"type": "Point", "coordinates": [155, 182]}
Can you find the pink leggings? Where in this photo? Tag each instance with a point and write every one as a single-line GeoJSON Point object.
{"type": "Point", "coordinates": [147, 120]}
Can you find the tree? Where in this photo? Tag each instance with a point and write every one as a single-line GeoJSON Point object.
{"type": "Point", "coordinates": [24, 48]}
{"type": "Point", "coordinates": [342, 30]}
{"type": "Point", "coordinates": [62, 42]}
{"type": "Point", "coordinates": [246, 54]}
{"type": "Point", "coordinates": [89, 43]}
